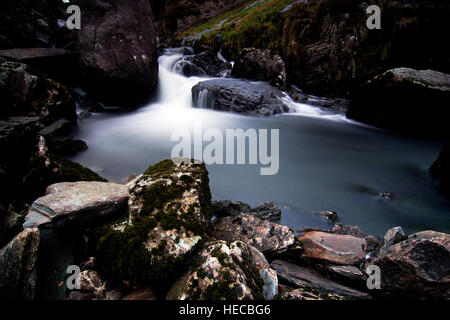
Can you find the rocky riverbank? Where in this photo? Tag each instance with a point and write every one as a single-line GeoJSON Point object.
{"type": "Point", "coordinates": [161, 237]}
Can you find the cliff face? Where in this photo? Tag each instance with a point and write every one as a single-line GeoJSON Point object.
{"type": "Point", "coordinates": [326, 44]}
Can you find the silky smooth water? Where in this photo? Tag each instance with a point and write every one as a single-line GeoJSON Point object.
{"type": "Point", "coordinates": [326, 161]}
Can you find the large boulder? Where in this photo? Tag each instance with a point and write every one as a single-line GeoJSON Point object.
{"type": "Point", "coordinates": [261, 65]}
{"type": "Point", "coordinates": [169, 211]}
{"type": "Point", "coordinates": [270, 238]}
{"type": "Point", "coordinates": [76, 203]}
{"type": "Point", "coordinates": [330, 248]}
{"type": "Point", "coordinates": [223, 271]}
{"type": "Point", "coordinates": [440, 170]}
{"type": "Point", "coordinates": [117, 47]}
{"type": "Point", "coordinates": [307, 278]}
{"type": "Point", "coordinates": [395, 100]}
{"type": "Point", "coordinates": [418, 267]}
{"type": "Point", "coordinates": [239, 96]}
{"type": "Point", "coordinates": [18, 266]}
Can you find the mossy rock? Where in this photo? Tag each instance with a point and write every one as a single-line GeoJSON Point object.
{"type": "Point", "coordinates": [169, 212]}
{"type": "Point", "coordinates": [223, 271]}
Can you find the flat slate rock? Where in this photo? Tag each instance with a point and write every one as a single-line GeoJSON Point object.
{"type": "Point", "coordinates": [76, 203]}
{"type": "Point", "coordinates": [304, 277]}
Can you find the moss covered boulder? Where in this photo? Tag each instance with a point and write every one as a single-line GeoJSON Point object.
{"type": "Point", "coordinates": [169, 211]}
{"type": "Point", "coordinates": [223, 271]}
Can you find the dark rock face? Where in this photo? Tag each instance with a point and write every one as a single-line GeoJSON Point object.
{"type": "Point", "coordinates": [418, 267]}
{"type": "Point", "coordinates": [440, 170]}
{"type": "Point", "coordinates": [239, 96]}
{"type": "Point", "coordinates": [306, 278]}
{"type": "Point", "coordinates": [261, 65]}
{"type": "Point", "coordinates": [29, 23]}
{"type": "Point", "coordinates": [25, 93]}
{"type": "Point", "coordinates": [268, 211]}
{"type": "Point", "coordinates": [269, 238]}
{"type": "Point", "coordinates": [227, 208]}
{"type": "Point", "coordinates": [223, 271]}
{"type": "Point", "coordinates": [18, 265]}
{"type": "Point", "coordinates": [117, 46]}
{"type": "Point", "coordinates": [395, 100]}
{"type": "Point", "coordinates": [204, 63]}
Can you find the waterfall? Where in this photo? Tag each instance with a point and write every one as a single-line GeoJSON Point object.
{"type": "Point", "coordinates": [203, 98]}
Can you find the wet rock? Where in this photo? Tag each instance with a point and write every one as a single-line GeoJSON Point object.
{"type": "Point", "coordinates": [169, 211]}
{"type": "Point", "coordinates": [117, 47]}
{"type": "Point", "coordinates": [342, 229]}
{"type": "Point", "coordinates": [333, 248]}
{"type": "Point", "coordinates": [348, 275]}
{"type": "Point", "coordinates": [392, 236]}
{"type": "Point", "coordinates": [223, 271]}
{"type": "Point", "coordinates": [261, 65]}
{"type": "Point", "coordinates": [386, 196]}
{"type": "Point", "coordinates": [306, 278]}
{"type": "Point", "coordinates": [440, 170]}
{"type": "Point", "coordinates": [239, 96]}
{"type": "Point", "coordinates": [227, 208]}
{"type": "Point", "coordinates": [18, 266]}
{"type": "Point", "coordinates": [398, 97]}
{"type": "Point", "coordinates": [143, 294]}
{"type": "Point", "coordinates": [268, 211]}
{"type": "Point", "coordinates": [207, 63]}
{"type": "Point", "coordinates": [418, 267]}
{"type": "Point", "coordinates": [76, 203]}
{"type": "Point", "coordinates": [330, 215]}
{"type": "Point", "coordinates": [269, 238]}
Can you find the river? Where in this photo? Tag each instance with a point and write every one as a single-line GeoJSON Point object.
{"type": "Point", "coordinates": [326, 161]}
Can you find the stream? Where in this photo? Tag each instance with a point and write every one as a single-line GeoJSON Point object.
{"type": "Point", "coordinates": [327, 162]}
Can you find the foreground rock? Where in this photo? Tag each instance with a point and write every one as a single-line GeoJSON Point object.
{"type": "Point", "coordinates": [307, 278]}
{"type": "Point", "coordinates": [440, 170]}
{"type": "Point", "coordinates": [223, 272]}
{"type": "Point", "coordinates": [418, 267]}
{"type": "Point", "coordinates": [392, 236]}
{"type": "Point", "coordinates": [269, 238]}
{"type": "Point", "coordinates": [18, 266]}
{"type": "Point", "coordinates": [261, 65]}
{"type": "Point", "coordinates": [76, 203]}
{"type": "Point", "coordinates": [333, 248]}
{"type": "Point", "coordinates": [397, 98]}
{"type": "Point", "coordinates": [170, 207]}
{"type": "Point", "coordinates": [239, 96]}
{"type": "Point", "coordinates": [117, 46]}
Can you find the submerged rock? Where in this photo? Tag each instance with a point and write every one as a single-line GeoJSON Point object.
{"type": "Point", "coordinates": [76, 203]}
{"type": "Point", "coordinates": [418, 267]}
{"type": "Point", "coordinates": [18, 266]}
{"type": "Point", "coordinates": [268, 211]}
{"type": "Point", "coordinates": [333, 248]}
{"type": "Point", "coordinates": [223, 272]}
{"type": "Point", "coordinates": [330, 215]}
{"type": "Point", "coordinates": [395, 100]}
{"type": "Point", "coordinates": [270, 238]}
{"type": "Point", "coordinates": [117, 47]}
{"type": "Point", "coordinates": [169, 211]}
{"type": "Point", "coordinates": [307, 278]}
{"type": "Point", "coordinates": [261, 65]}
{"type": "Point", "coordinates": [227, 208]}
{"type": "Point", "coordinates": [239, 96]}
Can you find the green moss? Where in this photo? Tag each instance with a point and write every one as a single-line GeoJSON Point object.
{"type": "Point", "coordinates": [160, 169]}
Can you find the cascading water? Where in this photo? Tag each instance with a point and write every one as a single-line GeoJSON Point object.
{"type": "Point", "coordinates": [324, 165]}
